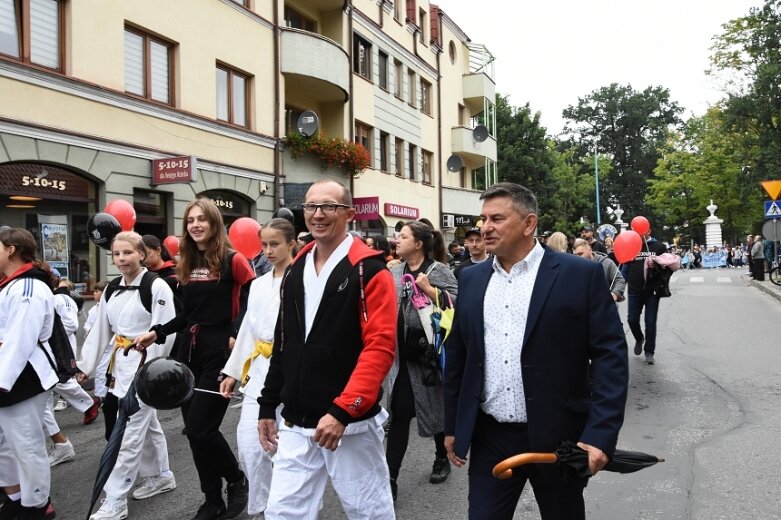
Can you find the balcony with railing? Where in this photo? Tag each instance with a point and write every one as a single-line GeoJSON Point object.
{"type": "Point", "coordinates": [471, 150]}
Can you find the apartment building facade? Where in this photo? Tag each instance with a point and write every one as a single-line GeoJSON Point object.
{"type": "Point", "coordinates": [159, 102]}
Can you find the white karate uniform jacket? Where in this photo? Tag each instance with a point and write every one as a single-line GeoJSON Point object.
{"type": "Point", "coordinates": [26, 317]}
{"type": "Point", "coordinates": [258, 324]}
{"type": "Point", "coordinates": [124, 315]}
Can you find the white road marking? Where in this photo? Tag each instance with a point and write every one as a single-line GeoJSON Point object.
{"type": "Point", "coordinates": [697, 279]}
{"type": "Point", "coordinates": [724, 279]}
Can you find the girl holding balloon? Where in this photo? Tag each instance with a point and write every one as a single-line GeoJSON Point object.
{"type": "Point", "coordinates": [215, 281]}
{"type": "Point", "coordinates": [249, 361]}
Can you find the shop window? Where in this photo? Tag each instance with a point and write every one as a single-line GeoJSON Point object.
{"type": "Point", "coordinates": [362, 57]}
{"type": "Point", "coordinates": [151, 214]}
{"type": "Point", "coordinates": [53, 204]}
{"type": "Point", "coordinates": [297, 20]}
{"type": "Point", "coordinates": [148, 66]}
{"type": "Point", "coordinates": [232, 96]}
{"type": "Point", "coordinates": [31, 31]}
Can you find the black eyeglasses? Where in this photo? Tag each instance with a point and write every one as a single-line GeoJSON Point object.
{"type": "Point", "coordinates": [326, 208]}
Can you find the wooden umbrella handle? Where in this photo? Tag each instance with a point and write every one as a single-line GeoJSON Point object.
{"type": "Point", "coordinates": [505, 468]}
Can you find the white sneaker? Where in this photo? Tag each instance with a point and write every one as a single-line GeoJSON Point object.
{"type": "Point", "coordinates": [60, 405]}
{"type": "Point", "coordinates": [111, 509]}
{"type": "Point", "coordinates": [154, 486]}
{"type": "Point", "coordinates": [61, 452]}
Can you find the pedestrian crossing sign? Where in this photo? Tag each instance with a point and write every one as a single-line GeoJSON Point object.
{"type": "Point", "coordinates": [772, 209]}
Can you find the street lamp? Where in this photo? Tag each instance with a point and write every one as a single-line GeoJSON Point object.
{"type": "Point", "coordinates": [596, 177]}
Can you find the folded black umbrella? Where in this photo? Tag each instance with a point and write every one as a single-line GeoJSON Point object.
{"type": "Point", "coordinates": [573, 461]}
{"type": "Point", "coordinates": [128, 406]}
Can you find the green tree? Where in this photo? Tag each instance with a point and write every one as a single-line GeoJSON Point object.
{"type": "Point", "coordinates": [628, 126]}
{"type": "Point", "coordinates": [573, 196]}
{"type": "Point", "coordinates": [747, 57]}
{"type": "Point", "coordinates": [523, 155]}
{"type": "Point", "coordinates": [704, 162]}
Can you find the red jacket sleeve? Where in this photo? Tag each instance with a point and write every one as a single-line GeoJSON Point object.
{"type": "Point", "coordinates": [379, 348]}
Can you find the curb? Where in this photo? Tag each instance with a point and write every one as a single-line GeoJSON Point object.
{"type": "Point", "coordinates": [775, 293]}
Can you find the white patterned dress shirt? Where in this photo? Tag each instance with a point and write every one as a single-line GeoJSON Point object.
{"type": "Point", "coordinates": [505, 310]}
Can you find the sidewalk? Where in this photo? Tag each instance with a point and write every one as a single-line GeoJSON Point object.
{"type": "Point", "coordinates": [768, 287]}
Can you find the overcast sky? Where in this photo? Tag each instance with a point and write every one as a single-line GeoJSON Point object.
{"type": "Point", "coordinates": [551, 52]}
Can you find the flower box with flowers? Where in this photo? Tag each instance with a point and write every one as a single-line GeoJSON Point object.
{"type": "Point", "coordinates": [333, 152]}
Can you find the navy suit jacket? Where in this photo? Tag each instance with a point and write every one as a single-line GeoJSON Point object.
{"type": "Point", "coordinates": [573, 362]}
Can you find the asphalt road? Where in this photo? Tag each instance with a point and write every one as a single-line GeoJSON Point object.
{"type": "Point", "coordinates": [709, 407]}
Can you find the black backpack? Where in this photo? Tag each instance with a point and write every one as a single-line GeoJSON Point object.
{"type": "Point", "coordinates": [64, 362]}
{"type": "Point", "coordinates": [144, 289]}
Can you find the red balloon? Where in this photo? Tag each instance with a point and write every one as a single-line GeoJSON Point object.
{"type": "Point", "coordinates": [171, 243]}
{"type": "Point", "coordinates": [244, 234]}
{"type": "Point", "coordinates": [641, 225]}
{"type": "Point", "coordinates": [627, 245]}
{"type": "Point", "coordinates": [123, 211]}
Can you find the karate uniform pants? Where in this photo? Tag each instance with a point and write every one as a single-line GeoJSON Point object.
{"type": "Point", "coordinates": [73, 394]}
{"type": "Point", "coordinates": [255, 461]}
{"type": "Point", "coordinates": [23, 458]}
{"type": "Point", "coordinates": [144, 451]}
{"type": "Point", "coordinates": [357, 469]}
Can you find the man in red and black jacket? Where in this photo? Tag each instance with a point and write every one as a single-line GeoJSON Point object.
{"type": "Point", "coordinates": [334, 344]}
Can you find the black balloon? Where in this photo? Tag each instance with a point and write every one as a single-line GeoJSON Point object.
{"type": "Point", "coordinates": [102, 228]}
{"type": "Point", "coordinates": [164, 383]}
{"type": "Point", "coordinates": [285, 214]}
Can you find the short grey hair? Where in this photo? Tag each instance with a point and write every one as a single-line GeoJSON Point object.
{"type": "Point", "coordinates": [523, 199]}
{"type": "Point", "coordinates": [347, 196]}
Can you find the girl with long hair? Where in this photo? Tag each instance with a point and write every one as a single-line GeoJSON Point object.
{"type": "Point", "coordinates": [122, 317]}
{"type": "Point", "coordinates": [26, 374]}
{"type": "Point", "coordinates": [214, 281]}
{"type": "Point", "coordinates": [250, 359]}
{"type": "Point", "coordinates": [415, 391]}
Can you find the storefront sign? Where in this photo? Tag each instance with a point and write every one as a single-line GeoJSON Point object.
{"type": "Point", "coordinates": [397, 210]}
{"type": "Point", "coordinates": [174, 170]}
{"type": "Point", "coordinates": [366, 208]}
{"type": "Point", "coordinates": [42, 180]}
{"type": "Point", "coordinates": [464, 221]}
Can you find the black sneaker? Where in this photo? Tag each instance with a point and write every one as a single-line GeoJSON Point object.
{"type": "Point", "coordinates": [394, 489]}
{"type": "Point", "coordinates": [38, 513]}
{"type": "Point", "coordinates": [649, 359]}
{"type": "Point", "coordinates": [237, 497]}
{"type": "Point", "coordinates": [10, 509]}
{"type": "Point", "coordinates": [210, 511]}
{"type": "Point", "coordinates": [639, 346]}
{"type": "Point", "coordinates": [439, 471]}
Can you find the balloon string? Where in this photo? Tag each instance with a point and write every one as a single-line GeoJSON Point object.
{"type": "Point", "coordinates": [206, 391]}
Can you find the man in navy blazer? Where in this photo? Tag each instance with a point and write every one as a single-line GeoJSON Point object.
{"type": "Point", "coordinates": [537, 356]}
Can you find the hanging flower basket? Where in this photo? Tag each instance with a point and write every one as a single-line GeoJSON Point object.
{"type": "Point", "coordinates": [333, 152]}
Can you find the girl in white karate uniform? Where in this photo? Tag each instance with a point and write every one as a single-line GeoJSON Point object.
{"type": "Point", "coordinates": [249, 359]}
{"type": "Point", "coordinates": [26, 375]}
{"type": "Point", "coordinates": [123, 317]}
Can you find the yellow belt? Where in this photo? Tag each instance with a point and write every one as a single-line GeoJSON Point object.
{"type": "Point", "coordinates": [120, 343]}
{"type": "Point", "coordinates": [263, 348]}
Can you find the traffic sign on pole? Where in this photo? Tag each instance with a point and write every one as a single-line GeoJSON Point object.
{"type": "Point", "coordinates": [773, 188]}
{"type": "Point", "coordinates": [772, 209]}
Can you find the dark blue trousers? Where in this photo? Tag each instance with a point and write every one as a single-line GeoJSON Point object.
{"type": "Point", "coordinates": [636, 302]}
{"type": "Point", "coordinates": [494, 499]}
